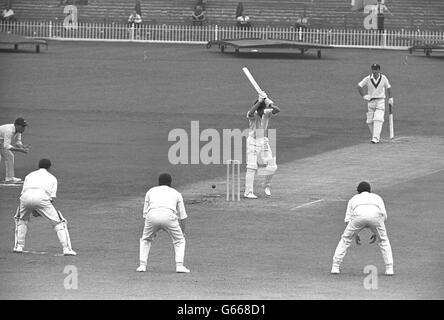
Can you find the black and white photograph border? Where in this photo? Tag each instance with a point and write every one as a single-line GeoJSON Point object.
{"type": "Point", "coordinates": [263, 162]}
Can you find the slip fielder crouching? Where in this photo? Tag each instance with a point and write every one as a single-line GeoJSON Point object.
{"type": "Point", "coordinates": [163, 209]}
{"type": "Point", "coordinates": [364, 210]}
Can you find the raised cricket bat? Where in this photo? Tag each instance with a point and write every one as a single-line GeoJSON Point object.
{"type": "Point", "coordinates": [392, 129]}
{"type": "Point", "coordinates": [252, 81]}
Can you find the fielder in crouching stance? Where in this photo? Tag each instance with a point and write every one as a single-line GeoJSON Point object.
{"type": "Point", "coordinates": [365, 210]}
{"type": "Point", "coordinates": [376, 84]}
{"type": "Point", "coordinates": [163, 209]}
{"type": "Point", "coordinates": [37, 197]}
{"type": "Point", "coordinates": [258, 147]}
{"type": "Point", "coordinates": [10, 142]}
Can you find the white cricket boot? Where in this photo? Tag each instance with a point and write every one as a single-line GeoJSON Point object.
{"type": "Point", "coordinates": [182, 269]}
{"type": "Point", "coordinates": [141, 268]}
{"type": "Point", "coordinates": [389, 271]}
{"type": "Point", "coordinates": [69, 252]}
{"type": "Point", "coordinates": [13, 180]}
{"type": "Point", "coordinates": [335, 270]}
{"type": "Point", "coordinates": [18, 249]}
{"type": "Point", "coordinates": [250, 195]}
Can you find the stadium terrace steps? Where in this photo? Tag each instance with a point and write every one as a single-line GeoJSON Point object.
{"type": "Point", "coordinates": [337, 14]}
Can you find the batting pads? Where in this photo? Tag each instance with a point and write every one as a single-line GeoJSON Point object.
{"type": "Point", "coordinates": [21, 228]}
{"type": "Point", "coordinates": [270, 169]}
{"type": "Point", "coordinates": [62, 233]}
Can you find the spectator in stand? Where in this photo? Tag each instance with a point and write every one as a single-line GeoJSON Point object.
{"type": "Point", "coordinates": [8, 15]}
{"type": "Point", "coordinates": [380, 9]}
{"type": "Point", "coordinates": [202, 3]}
{"type": "Point", "coordinates": [301, 26]}
{"type": "Point", "coordinates": [138, 8]}
{"type": "Point", "coordinates": [239, 9]}
{"type": "Point", "coordinates": [198, 16]}
{"type": "Point", "coordinates": [301, 23]}
{"type": "Point", "coordinates": [135, 21]}
{"type": "Point", "coordinates": [242, 20]}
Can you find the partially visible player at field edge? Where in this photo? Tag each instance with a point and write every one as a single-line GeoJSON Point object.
{"type": "Point", "coordinates": [37, 198]}
{"type": "Point", "coordinates": [365, 210]}
{"type": "Point", "coordinates": [376, 84]}
{"type": "Point", "coordinates": [10, 142]}
{"type": "Point", "coordinates": [258, 147]}
{"type": "Point", "coordinates": [163, 209]}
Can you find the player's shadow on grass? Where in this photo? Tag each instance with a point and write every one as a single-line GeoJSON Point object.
{"type": "Point", "coordinates": [275, 55]}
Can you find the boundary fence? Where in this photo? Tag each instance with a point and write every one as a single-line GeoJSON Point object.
{"type": "Point", "coordinates": [202, 34]}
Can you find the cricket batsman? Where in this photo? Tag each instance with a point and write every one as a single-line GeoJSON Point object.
{"type": "Point", "coordinates": [376, 84]}
{"type": "Point", "coordinates": [258, 147]}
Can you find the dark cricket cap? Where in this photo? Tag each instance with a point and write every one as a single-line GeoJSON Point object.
{"type": "Point", "coordinates": [363, 186]}
{"type": "Point", "coordinates": [45, 163]}
{"type": "Point", "coordinates": [376, 66]}
{"type": "Point", "coordinates": [165, 179]}
{"type": "Point", "coordinates": [20, 122]}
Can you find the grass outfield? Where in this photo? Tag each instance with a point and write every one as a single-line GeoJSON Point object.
{"type": "Point", "coordinates": [102, 114]}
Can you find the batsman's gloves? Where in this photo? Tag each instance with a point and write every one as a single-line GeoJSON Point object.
{"type": "Point", "coordinates": [366, 97]}
{"type": "Point", "coordinates": [268, 102]}
{"type": "Point", "coordinates": [358, 240]}
{"type": "Point", "coordinates": [390, 101]}
{"type": "Point", "coordinates": [262, 96]}
{"type": "Point", "coordinates": [373, 238]}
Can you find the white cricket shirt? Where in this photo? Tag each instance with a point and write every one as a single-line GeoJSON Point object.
{"type": "Point", "coordinates": [43, 180]}
{"type": "Point", "coordinates": [365, 204]}
{"type": "Point", "coordinates": [375, 87]}
{"type": "Point", "coordinates": [164, 197]}
{"type": "Point", "coordinates": [9, 138]}
{"type": "Point", "coordinates": [258, 125]}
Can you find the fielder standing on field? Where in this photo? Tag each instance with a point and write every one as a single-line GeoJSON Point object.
{"type": "Point", "coordinates": [376, 84]}
{"type": "Point", "coordinates": [258, 147]}
{"type": "Point", "coordinates": [37, 198]}
{"type": "Point", "coordinates": [10, 142]}
{"type": "Point", "coordinates": [163, 209]}
{"type": "Point", "coordinates": [365, 210]}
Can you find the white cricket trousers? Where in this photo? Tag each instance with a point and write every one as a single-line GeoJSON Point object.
{"type": "Point", "coordinates": [9, 162]}
{"type": "Point", "coordinates": [376, 224]}
{"type": "Point", "coordinates": [162, 219]}
{"type": "Point", "coordinates": [36, 200]}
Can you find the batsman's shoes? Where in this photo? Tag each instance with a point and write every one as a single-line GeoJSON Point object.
{"type": "Point", "coordinates": [374, 141]}
{"type": "Point", "coordinates": [267, 191]}
{"type": "Point", "coordinates": [141, 268]}
{"type": "Point", "coordinates": [335, 270]}
{"type": "Point", "coordinates": [18, 249]}
{"type": "Point", "coordinates": [389, 271]}
{"type": "Point", "coordinates": [250, 195]}
{"type": "Point", "coordinates": [182, 269]}
{"type": "Point", "coordinates": [13, 180]}
{"type": "Point", "coordinates": [69, 252]}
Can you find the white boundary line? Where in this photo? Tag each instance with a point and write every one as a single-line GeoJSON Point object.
{"type": "Point", "coordinates": [306, 204]}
